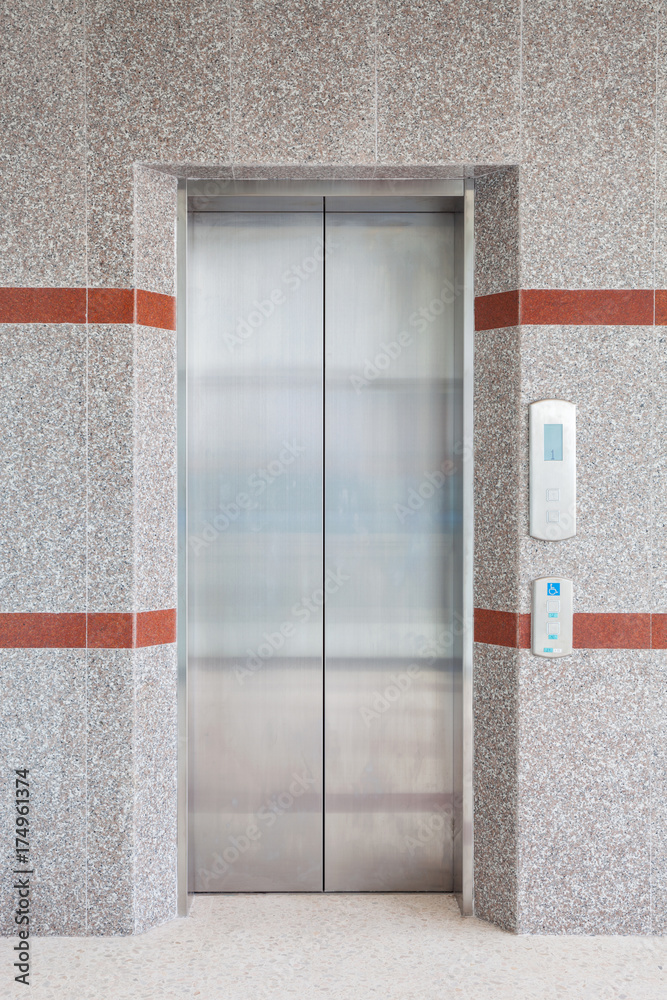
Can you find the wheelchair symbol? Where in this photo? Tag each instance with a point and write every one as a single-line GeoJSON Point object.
{"type": "Point", "coordinates": [553, 590]}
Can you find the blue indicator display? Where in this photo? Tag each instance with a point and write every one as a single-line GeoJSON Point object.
{"type": "Point", "coordinates": [553, 442]}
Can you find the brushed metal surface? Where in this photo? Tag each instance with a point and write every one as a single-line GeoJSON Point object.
{"type": "Point", "coordinates": [393, 476]}
{"type": "Point", "coordinates": [395, 630]}
{"type": "Point", "coordinates": [255, 551]}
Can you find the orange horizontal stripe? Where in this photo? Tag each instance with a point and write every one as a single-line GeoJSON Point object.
{"type": "Point", "coordinates": [586, 307]}
{"type": "Point", "coordinates": [660, 307]}
{"type": "Point", "coordinates": [154, 309]}
{"type": "Point", "coordinates": [122, 630]}
{"type": "Point", "coordinates": [494, 312]}
{"type": "Point", "coordinates": [502, 628]}
{"type": "Point", "coordinates": [597, 630]}
{"type": "Point", "coordinates": [42, 305]}
{"type": "Point", "coordinates": [92, 305]}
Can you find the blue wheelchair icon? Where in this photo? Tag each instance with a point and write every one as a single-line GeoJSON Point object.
{"type": "Point", "coordinates": [553, 590]}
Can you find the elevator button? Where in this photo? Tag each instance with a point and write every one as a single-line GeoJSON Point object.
{"type": "Point", "coordinates": [553, 607]}
{"type": "Point", "coordinates": [553, 516]}
{"type": "Point", "coordinates": [553, 629]}
{"type": "Point", "coordinates": [553, 496]}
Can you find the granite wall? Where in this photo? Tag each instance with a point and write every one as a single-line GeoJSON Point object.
{"type": "Point", "coordinates": [560, 111]}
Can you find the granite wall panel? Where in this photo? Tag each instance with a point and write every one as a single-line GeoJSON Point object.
{"type": "Point", "coordinates": [110, 854]}
{"type": "Point", "coordinates": [42, 160]}
{"type": "Point", "coordinates": [608, 373]}
{"type": "Point", "coordinates": [303, 86]}
{"type": "Point", "coordinates": [110, 468]}
{"type": "Point", "coordinates": [155, 469]}
{"type": "Point", "coordinates": [584, 777]}
{"type": "Point", "coordinates": [448, 82]}
{"type": "Point", "coordinates": [587, 225]}
{"type": "Point", "coordinates": [43, 729]}
{"type": "Point", "coordinates": [588, 82]}
{"type": "Point", "coordinates": [496, 736]}
{"type": "Point", "coordinates": [43, 447]}
{"type": "Point", "coordinates": [157, 89]}
{"type": "Point", "coordinates": [155, 775]}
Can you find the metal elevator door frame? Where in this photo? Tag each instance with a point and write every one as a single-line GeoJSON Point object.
{"type": "Point", "coordinates": [202, 196]}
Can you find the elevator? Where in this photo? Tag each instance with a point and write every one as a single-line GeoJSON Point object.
{"type": "Point", "coordinates": [324, 530]}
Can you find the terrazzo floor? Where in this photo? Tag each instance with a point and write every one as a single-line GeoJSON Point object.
{"type": "Point", "coordinates": [343, 947]}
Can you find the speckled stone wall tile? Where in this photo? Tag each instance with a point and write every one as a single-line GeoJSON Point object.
{"type": "Point", "coordinates": [658, 473]}
{"type": "Point", "coordinates": [155, 469]}
{"type": "Point", "coordinates": [495, 783]}
{"type": "Point", "coordinates": [42, 195]}
{"type": "Point", "coordinates": [155, 755]}
{"type": "Point", "coordinates": [448, 81]}
{"type": "Point", "coordinates": [588, 81]}
{"type": "Point", "coordinates": [657, 715]}
{"type": "Point", "coordinates": [110, 798]}
{"type": "Point", "coordinates": [42, 727]}
{"type": "Point", "coordinates": [303, 81]}
{"type": "Point", "coordinates": [110, 468]}
{"type": "Point", "coordinates": [157, 88]}
{"type": "Point", "coordinates": [155, 231]}
{"type": "Point", "coordinates": [661, 140]}
{"type": "Point", "coordinates": [497, 232]}
{"type": "Point", "coordinates": [43, 455]}
{"type": "Point", "coordinates": [587, 225]}
{"type": "Point", "coordinates": [498, 515]}
{"type": "Point", "coordinates": [584, 809]}
{"type": "Point", "coordinates": [303, 171]}
{"type": "Point", "coordinates": [607, 372]}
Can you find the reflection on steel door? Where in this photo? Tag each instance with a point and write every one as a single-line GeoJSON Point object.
{"type": "Point", "coordinates": [324, 547]}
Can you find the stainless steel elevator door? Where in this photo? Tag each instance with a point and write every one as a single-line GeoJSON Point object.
{"type": "Point", "coordinates": [324, 469]}
{"type": "Point", "coordinates": [393, 535]}
{"type": "Point", "coordinates": [255, 550]}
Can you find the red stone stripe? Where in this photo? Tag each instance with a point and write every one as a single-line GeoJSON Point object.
{"type": "Point", "coordinates": [98, 305]}
{"type": "Point", "coordinates": [111, 305]}
{"type": "Point", "coordinates": [591, 630]}
{"type": "Point", "coordinates": [97, 631]}
{"type": "Point", "coordinates": [155, 628]}
{"type": "Point", "coordinates": [502, 628]}
{"type": "Point", "coordinates": [493, 312]}
{"type": "Point", "coordinates": [611, 631]}
{"type": "Point", "coordinates": [42, 305]}
{"type": "Point", "coordinates": [36, 630]}
{"type": "Point", "coordinates": [154, 309]}
{"type": "Point", "coordinates": [661, 307]}
{"type": "Point", "coordinates": [658, 631]}
{"type": "Point", "coordinates": [110, 631]}
{"type": "Point", "coordinates": [586, 307]}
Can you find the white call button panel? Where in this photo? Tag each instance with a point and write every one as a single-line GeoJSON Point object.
{"type": "Point", "coordinates": [553, 465]}
{"type": "Point", "coordinates": [551, 617]}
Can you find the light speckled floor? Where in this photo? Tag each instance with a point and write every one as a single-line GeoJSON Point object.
{"type": "Point", "coordinates": [347, 947]}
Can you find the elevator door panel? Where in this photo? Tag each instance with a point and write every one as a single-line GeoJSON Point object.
{"type": "Point", "coordinates": [255, 544]}
{"type": "Point", "coordinates": [392, 537]}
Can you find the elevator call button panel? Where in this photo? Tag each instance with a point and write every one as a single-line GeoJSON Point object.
{"type": "Point", "coordinates": [551, 617]}
{"type": "Point", "coordinates": [553, 487]}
